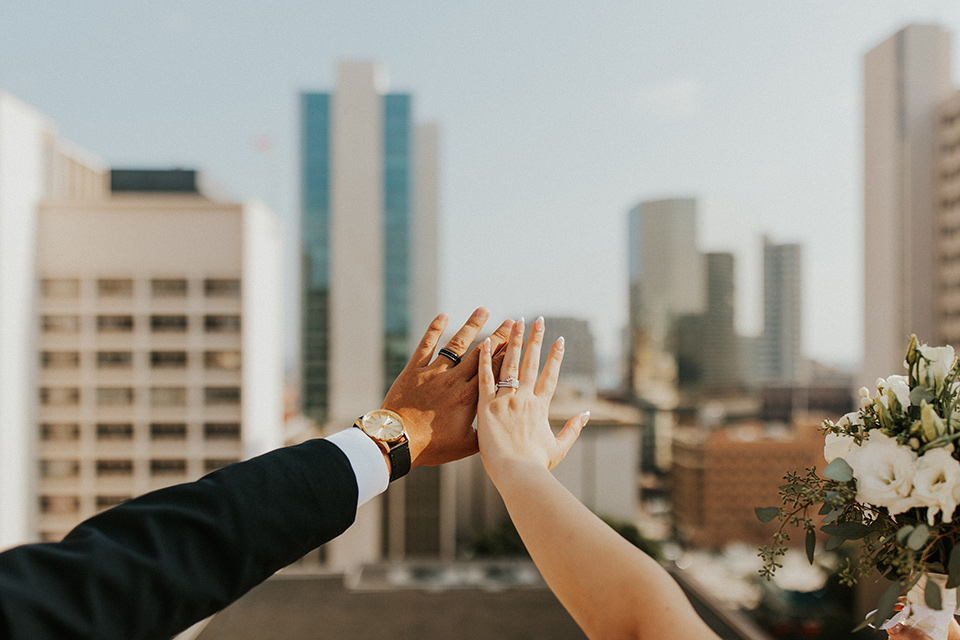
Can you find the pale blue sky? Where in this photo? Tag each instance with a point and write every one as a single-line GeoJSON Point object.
{"type": "Point", "coordinates": [556, 118]}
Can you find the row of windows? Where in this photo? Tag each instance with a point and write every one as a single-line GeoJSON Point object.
{"type": "Point", "coordinates": [124, 287]}
{"type": "Point", "coordinates": [125, 467]}
{"type": "Point", "coordinates": [70, 431]}
{"type": "Point", "coordinates": [125, 396]}
{"type": "Point", "coordinates": [71, 504]}
{"type": "Point", "coordinates": [124, 323]}
{"type": "Point", "coordinates": [223, 360]}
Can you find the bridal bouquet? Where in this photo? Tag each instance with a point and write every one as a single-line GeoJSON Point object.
{"type": "Point", "coordinates": [892, 482]}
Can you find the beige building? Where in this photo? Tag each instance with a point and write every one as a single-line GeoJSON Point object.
{"type": "Point", "coordinates": [906, 77]}
{"type": "Point", "coordinates": [158, 353]}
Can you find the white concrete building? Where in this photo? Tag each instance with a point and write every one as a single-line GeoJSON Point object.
{"type": "Point", "coordinates": [906, 77]}
{"type": "Point", "coordinates": [160, 342]}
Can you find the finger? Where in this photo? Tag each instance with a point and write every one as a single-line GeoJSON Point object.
{"type": "Point", "coordinates": [906, 633]}
{"type": "Point", "coordinates": [462, 339]}
{"type": "Point", "coordinates": [497, 340]}
{"type": "Point", "coordinates": [485, 379]}
{"type": "Point", "coordinates": [531, 355]}
{"type": "Point", "coordinates": [424, 352]}
{"type": "Point", "coordinates": [569, 434]}
{"type": "Point", "coordinates": [547, 383]}
{"type": "Point", "coordinates": [498, 363]}
{"type": "Point", "coordinates": [511, 359]}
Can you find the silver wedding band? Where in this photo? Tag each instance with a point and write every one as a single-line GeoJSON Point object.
{"type": "Point", "coordinates": [511, 383]}
{"type": "Point", "coordinates": [450, 354]}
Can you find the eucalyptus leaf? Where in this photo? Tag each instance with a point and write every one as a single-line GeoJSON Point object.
{"type": "Point", "coordinates": [811, 545]}
{"type": "Point", "coordinates": [766, 514]}
{"type": "Point", "coordinates": [847, 530]}
{"type": "Point", "coordinates": [838, 470]}
{"type": "Point", "coordinates": [830, 517]}
{"type": "Point", "coordinates": [918, 537]}
{"type": "Point", "coordinates": [953, 570]}
{"type": "Point", "coordinates": [919, 394]}
{"type": "Point", "coordinates": [886, 603]}
{"type": "Point", "coordinates": [825, 509]}
{"type": "Point", "coordinates": [833, 543]}
{"type": "Point", "coordinates": [904, 532]}
{"type": "Point", "coordinates": [931, 594]}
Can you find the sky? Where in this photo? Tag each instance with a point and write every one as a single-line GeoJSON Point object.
{"type": "Point", "coordinates": [555, 119]}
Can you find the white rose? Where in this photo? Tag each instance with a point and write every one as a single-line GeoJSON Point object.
{"type": "Point", "coordinates": [900, 387]}
{"type": "Point", "coordinates": [935, 365]}
{"type": "Point", "coordinates": [884, 471]}
{"type": "Point", "coordinates": [837, 446]}
{"type": "Point", "coordinates": [936, 484]}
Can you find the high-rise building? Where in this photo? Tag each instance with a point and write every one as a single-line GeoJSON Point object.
{"type": "Point", "coordinates": [159, 344]}
{"type": "Point", "coordinates": [666, 280]}
{"type": "Point", "coordinates": [579, 371]}
{"type": "Point", "coordinates": [906, 77]}
{"type": "Point", "coordinates": [780, 343]}
{"type": "Point", "coordinates": [721, 346]}
{"type": "Point", "coordinates": [948, 222]}
{"type": "Point", "coordinates": [35, 164]}
{"type": "Point", "coordinates": [369, 286]}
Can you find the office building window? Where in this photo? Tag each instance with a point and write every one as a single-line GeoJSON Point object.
{"type": "Point", "coordinates": [115, 288]}
{"type": "Point", "coordinates": [168, 324]}
{"type": "Point", "coordinates": [59, 287]}
{"type": "Point", "coordinates": [114, 431]}
{"type": "Point", "coordinates": [224, 360]}
{"type": "Point", "coordinates": [168, 467]}
{"type": "Point", "coordinates": [168, 431]}
{"type": "Point", "coordinates": [59, 468]}
{"type": "Point", "coordinates": [221, 324]}
{"type": "Point", "coordinates": [59, 359]}
{"type": "Point", "coordinates": [59, 324]}
{"type": "Point", "coordinates": [59, 504]}
{"type": "Point", "coordinates": [168, 287]}
{"type": "Point", "coordinates": [59, 431]}
{"type": "Point", "coordinates": [221, 395]}
{"type": "Point", "coordinates": [114, 396]}
{"type": "Point", "coordinates": [221, 430]}
{"type": "Point", "coordinates": [229, 288]}
{"type": "Point", "coordinates": [114, 359]}
{"type": "Point", "coordinates": [107, 502]}
{"type": "Point", "coordinates": [115, 324]}
{"type": "Point", "coordinates": [212, 464]}
{"type": "Point", "coordinates": [59, 396]}
{"type": "Point", "coordinates": [168, 397]}
{"type": "Point", "coordinates": [114, 467]}
{"type": "Point", "coordinates": [168, 359]}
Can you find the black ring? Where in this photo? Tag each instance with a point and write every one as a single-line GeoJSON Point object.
{"type": "Point", "coordinates": [450, 354]}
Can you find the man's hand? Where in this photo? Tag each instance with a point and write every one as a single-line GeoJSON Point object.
{"type": "Point", "coordinates": [438, 400]}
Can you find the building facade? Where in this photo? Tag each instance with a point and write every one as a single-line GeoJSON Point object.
{"type": "Point", "coordinates": [781, 357]}
{"type": "Point", "coordinates": [906, 77]}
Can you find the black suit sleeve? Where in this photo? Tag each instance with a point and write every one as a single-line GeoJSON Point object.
{"type": "Point", "coordinates": [153, 566]}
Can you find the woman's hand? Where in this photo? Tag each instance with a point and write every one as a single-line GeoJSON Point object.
{"type": "Point", "coordinates": [513, 423]}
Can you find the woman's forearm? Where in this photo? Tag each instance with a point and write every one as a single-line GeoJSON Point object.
{"type": "Point", "coordinates": [611, 588]}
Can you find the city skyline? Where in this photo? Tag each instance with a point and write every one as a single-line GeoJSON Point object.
{"type": "Point", "coordinates": [555, 123]}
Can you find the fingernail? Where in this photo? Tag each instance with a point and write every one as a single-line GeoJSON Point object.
{"type": "Point", "coordinates": [585, 419]}
{"type": "Point", "coordinates": [538, 323]}
{"type": "Point", "coordinates": [486, 345]}
{"type": "Point", "coordinates": [560, 343]}
{"type": "Point", "coordinates": [895, 629]}
{"type": "Point", "coordinates": [479, 313]}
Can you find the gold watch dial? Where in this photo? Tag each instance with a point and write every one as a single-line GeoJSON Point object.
{"type": "Point", "coordinates": [382, 425]}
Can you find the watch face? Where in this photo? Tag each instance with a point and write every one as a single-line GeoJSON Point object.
{"type": "Point", "coordinates": [382, 425]}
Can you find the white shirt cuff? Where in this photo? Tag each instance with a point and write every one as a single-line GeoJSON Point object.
{"type": "Point", "coordinates": [367, 461]}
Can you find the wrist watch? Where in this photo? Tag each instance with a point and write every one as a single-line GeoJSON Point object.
{"type": "Point", "coordinates": [386, 429]}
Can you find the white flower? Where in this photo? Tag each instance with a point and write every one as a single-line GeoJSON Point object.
{"type": "Point", "coordinates": [935, 365]}
{"type": "Point", "coordinates": [936, 484]}
{"type": "Point", "coordinates": [931, 423]}
{"type": "Point", "coordinates": [900, 387]}
{"type": "Point", "coordinates": [883, 470]}
{"type": "Point", "coordinates": [851, 419]}
{"type": "Point", "coordinates": [837, 446]}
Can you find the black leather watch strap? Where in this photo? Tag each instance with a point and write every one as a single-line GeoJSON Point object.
{"type": "Point", "coordinates": [399, 455]}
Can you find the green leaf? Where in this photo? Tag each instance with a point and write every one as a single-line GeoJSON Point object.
{"type": "Point", "coordinates": [833, 515]}
{"type": "Point", "coordinates": [825, 509]}
{"type": "Point", "coordinates": [766, 514]}
{"type": "Point", "coordinates": [887, 602]}
{"type": "Point", "coordinates": [866, 621]}
{"type": "Point", "coordinates": [838, 470]}
{"type": "Point", "coordinates": [919, 394]}
{"type": "Point", "coordinates": [834, 542]}
{"type": "Point", "coordinates": [847, 530]}
{"type": "Point", "coordinates": [953, 570]}
{"type": "Point", "coordinates": [811, 544]}
{"type": "Point", "coordinates": [931, 594]}
{"type": "Point", "coordinates": [904, 532]}
{"type": "Point", "coordinates": [918, 538]}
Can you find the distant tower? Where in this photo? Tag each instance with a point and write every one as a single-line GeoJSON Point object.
{"type": "Point", "coordinates": [780, 348]}
{"type": "Point", "coordinates": [905, 78]}
{"type": "Point", "coordinates": [721, 346]}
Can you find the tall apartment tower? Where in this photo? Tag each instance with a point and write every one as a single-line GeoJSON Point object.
{"type": "Point", "coordinates": [369, 240]}
{"type": "Point", "coordinates": [906, 77]}
{"type": "Point", "coordinates": [781, 340]}
{"type": "Point", "coordinates": [159, 346]}
{"type": "Point", "coordinates": [666, 281]}
{"type": "Point", "coordinates": [948, 221]}
{"type": "Point", "coordinates": [721, 346]}
{"type": "Point", "coordinates": [34, 164]}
